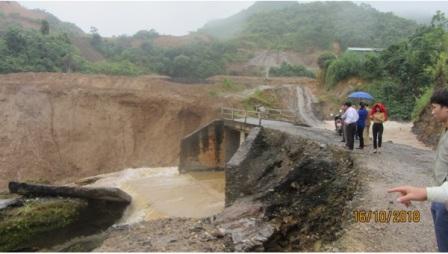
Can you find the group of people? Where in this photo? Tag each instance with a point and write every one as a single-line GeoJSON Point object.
{"type": "Point", "coordinates": [356, 123]}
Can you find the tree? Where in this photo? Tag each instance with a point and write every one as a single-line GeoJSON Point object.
{"type": "Point", "coordinates": [44, 27]}
{"type": "Point", "coordinates": [181, 66]}
{"type": "Point", "coordinates": [68, 62]}
{"type": "Point", "coordinates": [325, 59]}
{"type": "Point", "coordinates": [93, 30]}
{"type": "Point", "coordinates": [15, 40]}
{"type": "Point", "coordinates": [439, 20]}
{"type": "Point", "coordinates": [96, 39]}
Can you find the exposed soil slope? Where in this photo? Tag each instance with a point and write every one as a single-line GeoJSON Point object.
{"type": "Point", "coordinates": [63, 127]}
{"type": "Point", "coordinates": [426, 128]}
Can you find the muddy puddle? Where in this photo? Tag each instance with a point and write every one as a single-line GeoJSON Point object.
{"type": "Point", "coordinates": [163, 192]}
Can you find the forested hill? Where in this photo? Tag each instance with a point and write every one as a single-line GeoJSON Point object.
{"type": "Point", "coordinates": [299, 26]}
{"type": "Point", "coordinates": [233, 26]}
{"type": "Point", "coordinates": [33, 40]}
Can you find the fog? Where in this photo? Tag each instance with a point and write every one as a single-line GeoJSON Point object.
{"type": "Point", "coordinates": [180, 18]}
{"type": "Point", "coordinates": [421, 11]}
{"type": "Point", "coordinates": [116, 18]}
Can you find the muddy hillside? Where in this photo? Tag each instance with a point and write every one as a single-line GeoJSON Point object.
{"type": "Point", "coordinates": [61, 127]}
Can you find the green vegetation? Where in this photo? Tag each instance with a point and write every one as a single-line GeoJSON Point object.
{"type": "Point", "coordinates": [227, 86]}
{"type": "Point", "coordinates": [271, 25]}
{"type": "Point", "coordinates": [325, 59]}
{"type": "Point", "coordinates": [287, 70]}
{"type": "Point", "coordinates": [404, 74]}
{"type": "Point", "coordinates": [123, 67]}
{"type": "Point", "coordinates": [300, 26]}
{"type": "Point", "coordinates": [230, 86]}
{"type": "Point", "coordinates": [22, 51]}
{"type": "Point", "coordinates": [45, 27]}
{"type": "Point", "coordinates": [193, 61]}
{"type": "Point", "coordinates": [421, 103]}
{"type": "Point", "coordinates": [261, 98]}
{"type": "Point", "coordinates": [347, 65]}
{"type": "Point", "coordinates": [19, 225]}
{"type": "Point", "coordinates": [231, 27]}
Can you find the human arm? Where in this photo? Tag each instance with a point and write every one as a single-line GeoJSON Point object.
{"type": "Point", "coordinates": [438, 193]}
{"type": "Point", "coordinates": [410, 193]}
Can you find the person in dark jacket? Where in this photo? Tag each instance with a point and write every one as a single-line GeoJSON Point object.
{"type": "Point", "coordinates": [360, 124]}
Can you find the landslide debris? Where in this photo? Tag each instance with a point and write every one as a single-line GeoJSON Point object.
{"type": "Point", "coordinates": [286, 193]}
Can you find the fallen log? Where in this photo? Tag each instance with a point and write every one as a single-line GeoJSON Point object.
{"type": "Point", "coordinates": [36, 190]}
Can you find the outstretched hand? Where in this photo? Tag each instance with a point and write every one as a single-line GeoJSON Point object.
{"type": "Point", "coordinates": [409, 193]}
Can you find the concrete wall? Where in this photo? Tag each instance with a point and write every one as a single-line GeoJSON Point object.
{"type": "Point", "coordinates": [237, 173]}
{"type": "Point", "coordinates": [209, 148]}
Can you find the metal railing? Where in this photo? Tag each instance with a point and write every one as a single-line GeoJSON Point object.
{"type": "Point", "coordinates": [261, 114]}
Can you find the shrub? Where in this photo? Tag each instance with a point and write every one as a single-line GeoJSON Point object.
{"type": "Point", "coordinates": [287, 70]}
{"type": "Point", "coordinates": [421, 103]}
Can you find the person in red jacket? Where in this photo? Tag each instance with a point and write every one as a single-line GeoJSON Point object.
{"type": "Point", "coordinates": [378, 115]}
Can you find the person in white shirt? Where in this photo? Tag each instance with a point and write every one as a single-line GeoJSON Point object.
{"type": "Point", "coordinates": [350, 117]}
{"type": "Point", "coordinates": [438, 195]}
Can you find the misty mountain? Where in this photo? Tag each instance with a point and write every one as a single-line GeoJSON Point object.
{"type": "Point", "coordinates": [298, 26]}
{"type": "Point", "coordinates": [232, 26]}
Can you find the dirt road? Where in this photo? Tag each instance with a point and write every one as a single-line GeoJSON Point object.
{"type": "Point", "coordinates": [396, 132]}
{"type": "Point", "coordinates": [305, 100]}
{"type": "Point", "coordinates": [398, 164]}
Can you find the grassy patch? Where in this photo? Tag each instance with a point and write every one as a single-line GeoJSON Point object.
{"type": "Point", "coordinates": [19, 225]}
{"type": "Point", "coordinates": [231, 86]}
{"type": "Point", "coordinates": [259, 98]}
{"type": "Point", "coordinates": [227, 86]}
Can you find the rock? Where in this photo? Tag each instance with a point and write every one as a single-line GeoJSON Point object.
{"type": "Point", "coordinates": [218, 233]}
{"type": "Point", "coordinates": [4, 203]}
{"type": "Point", "coordinates": [196, 228]}
{"type": "Point", "coordinates": [317, 245]}
{"type": "Point", "coordinates": [108, 194]}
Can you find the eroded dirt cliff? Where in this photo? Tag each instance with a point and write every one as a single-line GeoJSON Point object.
{"type": "Point", "coordinates": [60, 127]}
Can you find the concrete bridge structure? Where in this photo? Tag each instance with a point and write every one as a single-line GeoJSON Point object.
{"type": "Point", "coordinates": [211, 146]}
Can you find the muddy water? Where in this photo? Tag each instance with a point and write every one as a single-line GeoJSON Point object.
{"type": "Point", "coordinates": [163, 192]}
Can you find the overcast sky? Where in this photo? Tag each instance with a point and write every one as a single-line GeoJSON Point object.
{"type": "Point", "coordinates": [177, 18]}
{"type": "Point", "coordinates": [115, 18]}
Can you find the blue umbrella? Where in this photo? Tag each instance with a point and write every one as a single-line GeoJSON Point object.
{"type": "Point", "coordinates": [361, 95]}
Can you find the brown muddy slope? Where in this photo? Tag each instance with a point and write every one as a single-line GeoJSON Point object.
{"type": "Point", "coordinates": [426, 128]}
{"type": "Point", "coordinates": [60, 127]}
